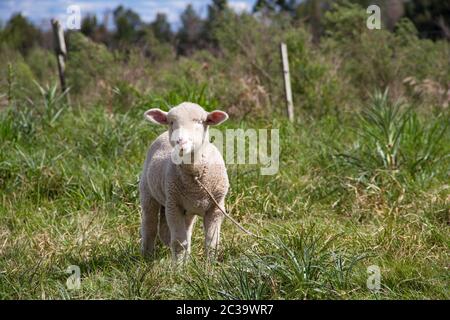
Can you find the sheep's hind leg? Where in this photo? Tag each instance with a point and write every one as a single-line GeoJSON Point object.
{"type": "Point", "coordinates": [149, 224]}
{"type": "Point", "coordinates": [164, 232]}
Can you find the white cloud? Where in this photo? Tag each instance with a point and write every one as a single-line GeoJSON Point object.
{"type": "Point", "coordinates": [240, 6]}
{"type": "Point", "coordinates": [42, 10]}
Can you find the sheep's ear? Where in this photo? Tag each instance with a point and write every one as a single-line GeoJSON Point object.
{"type": "Point", "coordinates": [156, 116]}
{"type": "Point", "coordinates": [216, 117]}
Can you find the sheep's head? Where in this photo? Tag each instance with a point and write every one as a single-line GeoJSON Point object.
{"type": "Point", "coordinates": [188, 125]}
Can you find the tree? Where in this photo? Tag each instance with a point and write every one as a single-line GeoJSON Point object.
{"type": "Point", "coordinates": [216, 8]}
{"type": "Point", "coordinates": [277, 5]}
{"type": "Point", "coordinates": [189, 35]}
{"type": "Point", "coordinates": [431, 17]}
{"type": "Point", "coordinates": [94, 30]}
{"type": "Point", "coordinates": [127, 24]}
{"type": "Point", "coordinates": [216, 11]}
{"type": "Point", "coordinates": [161, 28]}
{"type": "Point", "coordinates": [20, 34]}
{"type": "Point", "coordinates": [308, 11]}
{"type": "Point", "coordinates": [89, 25]}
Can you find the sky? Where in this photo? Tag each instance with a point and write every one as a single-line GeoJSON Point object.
{"type": "Point", "coordinates": [40, 11]}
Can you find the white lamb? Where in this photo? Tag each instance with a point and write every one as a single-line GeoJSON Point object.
{"type": "Point", "coordinates": [168, 188]}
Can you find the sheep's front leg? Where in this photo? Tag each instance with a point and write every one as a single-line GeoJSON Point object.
{"type": "Point", "coordinates": [190, 222]}
{"type": "Point", "coordinates": [178, 233]}
{"type": "Point", "coordinates": [149, 223]}
{"type": "Point", "coordinates": [212, 223]}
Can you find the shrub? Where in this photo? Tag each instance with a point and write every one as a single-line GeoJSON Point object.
{"type": "Point", "coordinates": [43, 65]}
{"type": "Point", "coordinates": [317, 87]}
{"type": "Point", "coordinates": [393, 59]}
{"type": "Point", "coordinates": [87, 63]}
{"type": "Point", "coordinates": [16, 76]}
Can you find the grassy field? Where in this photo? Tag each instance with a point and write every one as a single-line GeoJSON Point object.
{"type": "Point", "coordinates": [352, 192]}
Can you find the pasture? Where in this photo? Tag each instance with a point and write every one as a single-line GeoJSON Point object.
{"type": "Point", "coordinates": [361, 194]}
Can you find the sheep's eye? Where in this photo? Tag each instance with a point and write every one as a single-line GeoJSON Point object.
{"type": "Point", "coordinates": [198, 121]}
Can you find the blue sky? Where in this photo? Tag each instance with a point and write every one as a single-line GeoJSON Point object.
{"type": "Point", "coordinates": [40, 11]}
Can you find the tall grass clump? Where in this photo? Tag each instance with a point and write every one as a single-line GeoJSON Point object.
{"type": "Point", "coordinates": [52, 103]}
{"type": "Point", "coordinates": [301, 262]}
{"type": "Point", "coordinates": [196, 93]}
{"type": "Point", "coordinates": [311, 263]}
{"type": "Point", "coordinates": [393, 142]}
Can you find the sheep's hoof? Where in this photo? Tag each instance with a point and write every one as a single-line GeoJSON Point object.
{"type": "Point", "coordinates": [165, 238]}
{"type": "Point", "coordinates": [180, 258]}
{"type": "Point", "coordinates": [147, 252]}
{"type": "Point", "coordinates": [214, 255]}
{"type": "Point", "coordinates": [178, 263]}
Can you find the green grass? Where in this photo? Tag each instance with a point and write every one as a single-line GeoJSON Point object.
{"type": "Point", "coordinates": [344, 199]}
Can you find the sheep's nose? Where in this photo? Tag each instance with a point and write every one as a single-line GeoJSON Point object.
{"type": "Point", "coordinates": [181, 142]}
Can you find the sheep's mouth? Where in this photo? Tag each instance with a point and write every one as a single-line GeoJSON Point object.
{"type": "Point", "coordinates": [185, 157]}
{"type": "Point", "coordinates": [185, 149]}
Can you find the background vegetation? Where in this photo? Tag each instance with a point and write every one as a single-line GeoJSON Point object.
{"type": "Point", "coordinates": [364, 168]}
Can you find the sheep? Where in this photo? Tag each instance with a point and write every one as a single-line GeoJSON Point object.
{"type": "Point", "coordinates": [168, 189]}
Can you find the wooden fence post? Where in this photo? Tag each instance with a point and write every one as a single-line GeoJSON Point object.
{"type": "Point", "coordinates": [287, 82]}
{"type": "Point", "coordinates": [60, 51]}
